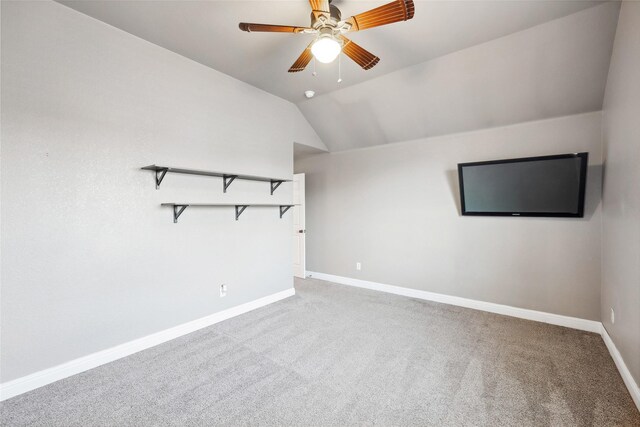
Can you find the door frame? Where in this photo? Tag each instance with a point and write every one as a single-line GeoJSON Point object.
{"type": "Point", "coordinates": [301, 210]}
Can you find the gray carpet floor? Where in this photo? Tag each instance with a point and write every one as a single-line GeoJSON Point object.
{"type": "Point", "coordinates": [334, 356]}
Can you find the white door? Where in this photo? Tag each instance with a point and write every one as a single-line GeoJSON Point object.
{"type": "Point", "coordinates": [298, 226]}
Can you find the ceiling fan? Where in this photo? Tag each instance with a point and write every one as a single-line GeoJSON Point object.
{"type": "Point", "coordinates": [329, 28]}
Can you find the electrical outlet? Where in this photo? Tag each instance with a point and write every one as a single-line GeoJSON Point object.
{"type": "Point", "coordinates": [358, 266]}
{"type": "Point", "coordinates": [613, 316]}
{"type": "Point", "coordinates": [223, 290]}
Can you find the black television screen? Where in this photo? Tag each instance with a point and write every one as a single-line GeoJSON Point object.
{"type": "Point", "coordinates": [532, 186]}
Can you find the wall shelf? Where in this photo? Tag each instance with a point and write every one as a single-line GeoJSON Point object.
{"type": "Point", "coordinates": [227, 178]}
{"type": "Point", "coordinates": [178, 208]}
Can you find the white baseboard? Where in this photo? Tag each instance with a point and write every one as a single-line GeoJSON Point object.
{"type": "Point", "coordinates": [523, 313]}
{"type": "Point", "coordinates": [631, 384]}
{"type": "Point", "coordinates": [507, 310]}
{"type": "Point", "coordinates": [76, 366]}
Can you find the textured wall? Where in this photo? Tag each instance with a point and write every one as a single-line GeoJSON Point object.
{"type": "Point", "coordinates": [621, 195]}
{"type": "Point", "coordinates": [89, 258]}
{"type": "Point", "coordinates": [395, 209]}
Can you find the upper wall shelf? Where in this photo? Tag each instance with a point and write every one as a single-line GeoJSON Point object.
{"type": "Point", "coordinates": [227, 178]}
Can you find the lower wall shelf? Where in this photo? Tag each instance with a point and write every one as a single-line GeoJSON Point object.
{"type": "Point", "coordinates": [178, 208]}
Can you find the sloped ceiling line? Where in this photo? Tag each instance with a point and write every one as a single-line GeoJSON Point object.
{"type": "Point", "coordinates": [555, 69]}
{"type": "Point", "coordinates": [455, 67]}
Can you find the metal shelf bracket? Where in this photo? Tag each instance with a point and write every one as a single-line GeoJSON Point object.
{"type": "Point", "coordinates": [160, 173]}
{"type": "Point", "coordinates": [226, 181]}
{"type": "Point", "coordinates": [177, 211]}
{"type": "Point", "coordinates": [275, 184]}
{"type": "Point", "coordinates": [239, 210]}
{"type": "Point", "coordinates": [227, 178]}
{"type": "Point", "coordinates": [284, 209]}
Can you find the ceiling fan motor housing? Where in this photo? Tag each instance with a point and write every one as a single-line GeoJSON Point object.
{"type": "Point", "coordinates": [336, 16]}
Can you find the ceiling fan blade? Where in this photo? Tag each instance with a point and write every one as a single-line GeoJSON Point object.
{"type": "Point", "coordinates": [302, 61]}
{"type": "Point", "coordinates": [396, 11]}
{"type": "Point", "coordinates": [320, 5]}
{"type": "Point", "coordinates": [267, 28]}
{"type": "Point", "coordinates": [320, 8]}
{"type": "Point", "coordinates": [360, 55]}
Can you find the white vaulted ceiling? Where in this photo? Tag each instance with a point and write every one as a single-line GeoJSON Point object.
{"type": "Point", "coordinates": [555, 69]}
{"type": "Point", "coordinates": [457, 66]}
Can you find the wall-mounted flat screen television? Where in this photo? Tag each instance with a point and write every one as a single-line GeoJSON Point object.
{"type": "Point", "coordinates": [532, 186]}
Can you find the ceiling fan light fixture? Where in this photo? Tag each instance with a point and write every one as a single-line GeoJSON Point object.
{"type": "Point", "coordinates": [326, 49]}
{"type": "Point", "coordinates": [327, 23]}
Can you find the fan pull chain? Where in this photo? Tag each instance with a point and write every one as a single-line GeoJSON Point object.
{"type": "Point", "coordinates": [339, 68]}
{"type": "Point", "coordinates": [314, 67]}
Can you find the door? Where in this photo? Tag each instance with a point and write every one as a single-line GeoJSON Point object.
{"type": "Point", "coordinates": [298, 226]}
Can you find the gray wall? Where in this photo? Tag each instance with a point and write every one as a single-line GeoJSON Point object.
{"type": "Point", "coordinates": [621, 196]}
{"type": "Point", "coordinates": [395, 209]}
{"type": "Point", "coordinates": [89, 258]}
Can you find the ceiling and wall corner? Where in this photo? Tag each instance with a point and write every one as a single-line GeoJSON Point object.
{"type": "Point", "coordinates": [207, 32]}
{"type": "Point", "coordinates": [304, 134]}
{"type": "Point", "coordinates": [556, 69]}
{"type": "Point", "coordinates": [455, 67]}
{"type": "Point", "coordinates": [300, 151]}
